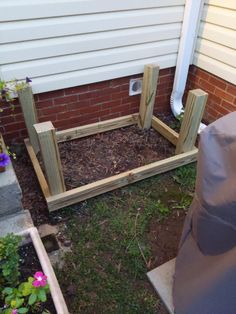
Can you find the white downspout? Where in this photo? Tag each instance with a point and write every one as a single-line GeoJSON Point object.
{"type": "Point", "coordinates": [191, 21]}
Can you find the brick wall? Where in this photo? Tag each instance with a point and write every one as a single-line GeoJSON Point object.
{"type": "Point", "coordinates": [222, 94]}
{"type": "Point", "coordinates": [85, 104]}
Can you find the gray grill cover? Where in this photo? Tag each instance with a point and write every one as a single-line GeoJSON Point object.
{"type": "Point", "coordinates": [205, 275]}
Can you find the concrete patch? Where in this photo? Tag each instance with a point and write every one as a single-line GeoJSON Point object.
{"type": "Point", "coordinates": [15, 223]}
{"type": "Point", "coordinates": [10, 192]}
{"type": "Point", "coordinates": [162, 281]}
{"type": "Point", "coordinates": [46, 229]}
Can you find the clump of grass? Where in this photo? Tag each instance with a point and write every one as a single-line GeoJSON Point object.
{"type": "Point", "coordinates": [186, 176]}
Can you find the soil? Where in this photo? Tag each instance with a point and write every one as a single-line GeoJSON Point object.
{"type": "Point", "coordinates": [164, 237]}
{"type": "Point", "coordinates": [100, 156]}
{"type": "Point", "coordinates": [28, 267]}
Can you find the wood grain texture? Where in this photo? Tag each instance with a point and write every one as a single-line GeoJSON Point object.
{"type": "Point", "coordinates": [38, 171]}
{"type": "Point", "coordinates": [165, 130]}
{"type": "Point", "coordinates": [51, 157]}
{"type": "Point", "coordinates": [102, 186]}
{"type": "Point", "coordinates": [27, 103]}
{"type": "Point", "coordinates": [148, 96]}
{"type": "Point", "coordinates": [95, 128]}
{"type": "Point", "coordinates": [193, 113]}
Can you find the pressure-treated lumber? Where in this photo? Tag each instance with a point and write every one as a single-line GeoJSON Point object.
{"type": "Point", "coordinates": [148, 96]}
{"type": "Point", "coordinates": [50, 155]}
{"type": "Point", "coordinates": [193, 113]}
{"type": "Point", "coordinates": [39, 173]}
{"type": "Point", "coordinates": [165, 130]}
{"type": "Point", "coordinates": [27, 103]}
{"type": "Point", "coordinates": [90, 190]}
{"type": "Point", "coordinates": [95, 128]}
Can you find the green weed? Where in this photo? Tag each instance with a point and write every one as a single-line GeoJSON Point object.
{"type": "Point", "coordinates": [186, 176]}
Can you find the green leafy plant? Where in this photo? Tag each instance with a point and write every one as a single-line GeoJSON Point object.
{"type": "Point", "coordinates": [7, 99]}
{"type": "Point", "coordinates": [9, 259]}
{"type": "Point", "coordinates": [163, 210]}
{"type": "Point", "coordinates": [27, 297]}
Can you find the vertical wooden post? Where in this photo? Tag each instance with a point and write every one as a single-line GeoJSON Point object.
{"type": "Point", "coordinates": [148, 96]}
{"type": "Point", "coordinates": [193, 113]}
{"type": "Point", "coordinates": [51, 158]}
{"type": "Point", "coordinates": [26, 99]}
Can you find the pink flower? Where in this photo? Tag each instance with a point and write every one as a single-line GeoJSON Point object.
{"type": "Point", "coordinates": [14, 311]}
{"type": "Point", "coordinates": [40, 279]}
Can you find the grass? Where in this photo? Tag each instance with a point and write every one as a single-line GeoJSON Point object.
{"type": "Point", "coordinates": [186, 176]}
{"type": "Point", "coordinates": [106, 271]}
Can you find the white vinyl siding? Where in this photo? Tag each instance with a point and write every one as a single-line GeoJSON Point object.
{"type": "Point", "coordinates": [65, 43]}
{"type": "Point", "coordinates": [215, 49]}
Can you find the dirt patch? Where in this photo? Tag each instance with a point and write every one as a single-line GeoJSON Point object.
{"type": "Point", "coordinates": [164, 237]}
{"type": "Point", "coordinates": [100, 156]}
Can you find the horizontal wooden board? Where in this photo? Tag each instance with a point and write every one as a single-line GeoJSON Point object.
{"type": "Point", "coordinates": [64, 80]}
{"type": "Point", "coordinates": [48, 48]}
{"type": "Point", "coordinates": [75, 25]}
{"type": "Point", "coordinates": [165, 130]}
{"type": "Point", "coordinates": [218, 34]}
{"type": "Point", "coordinates": [102, 186]}
{"type": "Point", "coordinates": [88, 60]}
{"type": "Point", "coordinates": [216, 51]}
{"type": "Point", "coordinates": [38, 171]}
{"type": "Point", "coordinates": [220, 69]}
{"type": "Point", "coordinates": [28, 9]}
{"type": "Point", "coordinates": [219, 16]}
{"type": "Point", "coordinates": [95, 128]}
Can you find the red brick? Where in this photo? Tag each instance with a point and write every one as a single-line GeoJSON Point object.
{"type": "Point", "coordinates": [65, 100]}
{"type": "Point", "coordinates": [77, 90]}
{"type": "Point", "coordinates": [101, 99]}
{"type": "Point", "coordinates": [15, 126]}
{"type": "Point", "coordinates": [214, 99]}
{"type": "Point", "coordinates": [7, 120]}
{"type": "Point", "coordinates": [228, 106]}
{"type": "Point", "coordinates": [202, 74]}
{"type": "Point", "coordinates": [111, 104]}
{"type": "Point", "coordinates": [119, 95]}
{"type": "Point", "coordinates": [213, 112]}
{"type": "Point", "coordinates": [119, 108]}
{"type": "Point", "coordinates": [79, 104]}
{"type": "Point", "coordinates": [231, 89]}
{"type": "Point", "coordinates": [89, 110]}
{"type": "Point", "coordinates": [99, 85]}
{"type": "Point", "coordinates": [220, 93]}
{"type": "Point", "coordinates": [120, 81]}
{"type": "Point", "coordinates": [104, 113]}
{"type": "Point", "coordinates": [44, 103]}
{"type": "Point", "coordinates": [217, 82]}
{"type": "Point", "coordinates": [64, 115]}
{"type": "Point", "coordinates": [51, 117]}
{"type": "Point", "coordinates": [206, 86]}
{"type": "Point", "coordinates": [223, 111]}
{"type": "Point", "coordinates": [51, 95]}
{"type": "Point", "coordinates": [165, 71]}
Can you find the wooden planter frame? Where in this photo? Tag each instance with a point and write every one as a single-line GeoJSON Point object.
{"type": "Point", "coordinates": [44, 138]}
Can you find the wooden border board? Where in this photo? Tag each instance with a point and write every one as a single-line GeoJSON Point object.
{"type": "Point", "coordinates": [114, 182]}
{"type": "Point", "coordinates": [76, 195]}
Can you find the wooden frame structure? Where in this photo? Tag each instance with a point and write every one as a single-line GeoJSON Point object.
{"type": "Point", "coordinates": [44, 138]}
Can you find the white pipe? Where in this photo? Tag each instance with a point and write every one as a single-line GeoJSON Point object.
{"type": "Point", "coordinates": [192, 14]}
{"type": "Point", "coordinates": [55, 290]}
